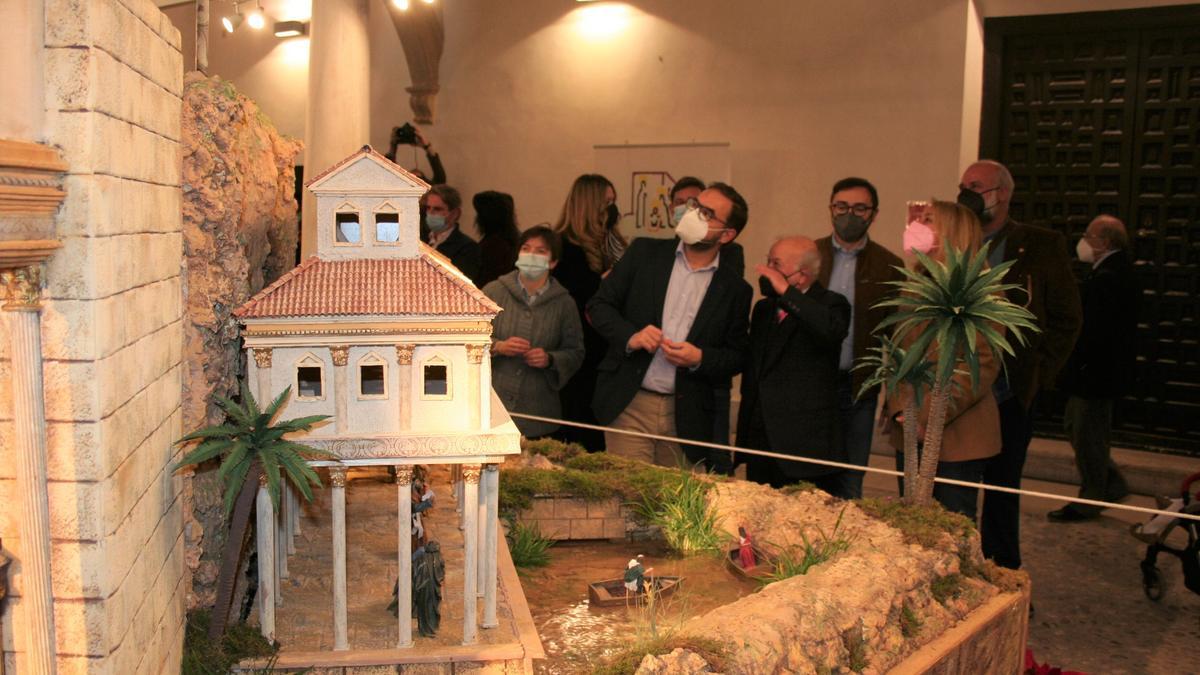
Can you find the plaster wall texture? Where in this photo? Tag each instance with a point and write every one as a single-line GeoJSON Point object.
{"type": "Point", "coordinates": [112, 338]}
{"type": "Point", "coordinates": [21, 116]}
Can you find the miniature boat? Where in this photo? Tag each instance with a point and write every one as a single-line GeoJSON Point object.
{"type": "Point", "coordinates": [612, 592]}
{"type": "Point", "coordinates": [764, 563]}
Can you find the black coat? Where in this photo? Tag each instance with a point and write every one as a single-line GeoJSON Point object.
{"type": "Point", "coordinates": [463, 251]}
{"type": "Point", "coordinates": [789, 386]}
{"type": "Point", "coordinates": [1105, 356]}
{"type": "Point", "coordinates": [632, 297]}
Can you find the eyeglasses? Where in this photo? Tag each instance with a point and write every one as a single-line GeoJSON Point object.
{"type": "Point", "coordinates": [842, 208]}
{"type": "Point", "coordinates": [706, 214]}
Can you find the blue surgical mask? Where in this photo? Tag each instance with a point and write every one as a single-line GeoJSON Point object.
{"type": "Point", "coordinates": [677, 214]}
{"type": "Point", "coordinates": [435, 222]}
{"type": "Point", "coordinates": [533, 266]}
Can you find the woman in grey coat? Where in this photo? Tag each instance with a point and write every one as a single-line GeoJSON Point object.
{"type": "Point", "coordinates": [537, 341]}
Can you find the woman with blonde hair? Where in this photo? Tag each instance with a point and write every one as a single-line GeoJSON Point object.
{"type": "Point", "coordinates": [591, 245]}
{"type": "Point", "coordinates": [972, 428]}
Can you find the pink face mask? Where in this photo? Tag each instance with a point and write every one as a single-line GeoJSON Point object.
{"type": "Point", "coordinates": [919, 237]}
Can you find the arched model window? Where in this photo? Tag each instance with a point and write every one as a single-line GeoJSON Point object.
{"type": "Point", "coordinates": [347, 225]}
{"type": "Point", "coordinates": [310, 379]}
{"type": "Point", "coordinates": [435, 378]}
{"type": "Point", "coordinates": [387, 224]}
{"type": "Point", "coordinates": [372, 377]}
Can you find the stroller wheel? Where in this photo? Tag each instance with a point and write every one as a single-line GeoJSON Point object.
{"type": "Point", "coordinates": [1152, 582]}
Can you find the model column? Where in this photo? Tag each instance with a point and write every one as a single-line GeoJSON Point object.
{"type": "Point", "coordinates": [471, 551]}
{"type": "Point", "coordinates": [267, 583]}
{"type": "Point", "coordinates": [491, 495]}
{"type": "Point", "coordinates": [404, 474]}
{"type": "Point", "coordinates": [475, 354]}
{"type": "Point", "coordinates": [22, 288]}
{"type": "Point", "coordinates": [340, 356]}
{"type": "Point", "coordinates": [337, 478]}
{"type": "Point", "coordinates": [404, 358]}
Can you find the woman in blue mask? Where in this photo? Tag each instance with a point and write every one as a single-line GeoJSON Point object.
{"type": "Point", "coordinates": [537, 341]}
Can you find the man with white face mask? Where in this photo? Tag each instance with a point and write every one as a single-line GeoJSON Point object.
{"type": "Point", "coordinates": [859, 269]}
{"type": "Point", "coordinates": [1102, 366]}
{"type": "Point", "coordinates": [675, 320]}
{"type": "Point", "coordinates": [1045, 286]}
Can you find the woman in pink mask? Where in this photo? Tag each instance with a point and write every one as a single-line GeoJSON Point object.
{"type": "Point", "coordinates": [972, 431]}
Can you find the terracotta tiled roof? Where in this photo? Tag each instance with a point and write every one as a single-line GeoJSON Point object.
{"type": "Point", "coordinates": [426, 285]}
{"type": "Point", "coordinates": [367, 150]}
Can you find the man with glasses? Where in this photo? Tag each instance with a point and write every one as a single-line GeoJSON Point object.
{"type": "Point", "coordinates": [860, 270]}
{"type": "Point", "coordinates": [675, 320]}
{"type": "Point", "coordinates": [790, 387]}
{"type": "Point", "coordinates": [1045, 286]}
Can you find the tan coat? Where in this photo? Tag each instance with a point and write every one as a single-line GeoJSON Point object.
{"type": "Point", "coordinates": [972, 418]}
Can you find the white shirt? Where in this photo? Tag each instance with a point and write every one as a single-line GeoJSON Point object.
{"type": "Point", "coordinates": [685, 292]}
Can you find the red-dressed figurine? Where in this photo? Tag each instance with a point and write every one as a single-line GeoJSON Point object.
{"type": "Point", "coordinates": [745, 549]}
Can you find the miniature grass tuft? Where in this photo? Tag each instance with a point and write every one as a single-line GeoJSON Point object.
{"type": "Point", "coordinates": [555, 451]}
{"type": "Point", "coordinates": [794, 561]}
{"type": "Point", "coordinates": [528, 547]}
{"type": "Point", "coordinates": [626, 662]}
{"type": "Point", "coordinates": [924, 525]}
{"type": "Point", "coordinates": [682, 512]}
{"type": "Point", "coordinates": [910, 623]}
{"type": "Point", "coordinates": [798, 487]}
{"type": "Point", "coordinates": [856, 647]}
{"type": "Point", "coordinates": [202, 656]}
{"type": "Point", "coordinates": [947, 587]}
{"type": "Point", "coordinates": [592, 477]}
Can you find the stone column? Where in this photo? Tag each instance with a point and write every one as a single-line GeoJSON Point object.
{"type": "Point", "coordinates": [339, 104]}
{"type": "Point", "coordinates": [475, 355]}
{"type": "Point", "coordinates": [281, 537]}
{"type": "Point", "coordinates": [491, 492]}
{"type": "Point", "coordinates": [262, 372]}
{"type": "Point", "coordinates": [481, 538]}
{"type": "Point", "coordinates": [337, 479]}
{"type": "Point", "coordinates": [293, 504]}
{"type": "Point", "coordinates": [470, 551]}
{"type": "Point", "coordinates": [404, 358]}
{"type": "Point", "coordinates": [22, 287]}
{"type": "Point", "coordinates": [267, 586]}
{"type": "Point", "coordinates": [404, 474]}
{"type": "Point", "coordinates": [341, 419]}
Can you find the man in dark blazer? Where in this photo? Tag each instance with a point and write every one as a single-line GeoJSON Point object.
{"type": "Point", "coordinates": [1101, 369]}
{"type": "Point", "coordinates": [443, 208]}
{"type": "Point", "coordinates": [1046, 287]}
{"type": "Point", "coordinates": [790, 383]}
{"type": "Point", "coordinates": [675, 320]}
{"type": "Point", "coordinates": [860, 270]}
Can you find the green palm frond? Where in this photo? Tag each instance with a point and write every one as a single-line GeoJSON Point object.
{"type": "Point", "coordinates": [249, 436]}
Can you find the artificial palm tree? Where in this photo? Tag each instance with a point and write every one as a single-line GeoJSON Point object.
{"type": "Point", "coordinates": [250, 445]}
{"type": "Point", "coordinates": [944, 316]}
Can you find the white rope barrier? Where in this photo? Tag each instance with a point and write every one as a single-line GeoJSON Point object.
{"type": "Point", "coordinates": [856, 467]}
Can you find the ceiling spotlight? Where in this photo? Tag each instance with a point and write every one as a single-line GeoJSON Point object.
{"type": "Point", "coordinates": [256, 18]}
{"type": "Point", "coordinates": [401, 5]}
{"type": "Point", "coordinates": [428, 2]}
{"type": "Point", "coordinates": [231, 23]}
{"type": "Point", "coordinates": [286, 29]}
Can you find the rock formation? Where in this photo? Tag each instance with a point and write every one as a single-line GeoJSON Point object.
{"type": "Point", "coordinates": [240, 232]}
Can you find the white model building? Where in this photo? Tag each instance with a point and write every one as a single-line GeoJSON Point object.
{"type": "Point", "coordinates": [382, 333]}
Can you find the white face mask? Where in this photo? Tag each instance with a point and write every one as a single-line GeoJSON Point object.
{"type": "Point", "coordinates": [1085, 251]}
{"type": "Point", "coordinates": [533, 266]}
{"type": "Point", "coordinates": [691, 228]}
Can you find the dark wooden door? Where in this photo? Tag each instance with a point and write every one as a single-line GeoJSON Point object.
{"type": "Point", "coordinates": [1100, 113]}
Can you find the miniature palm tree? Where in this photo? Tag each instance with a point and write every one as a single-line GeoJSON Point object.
{"type": "Point", "coordinates": [953, 309]}
{"type": "Point", "coordinates": [250, 446]}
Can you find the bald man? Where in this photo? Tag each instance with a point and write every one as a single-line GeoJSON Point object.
{"type": "Point", "coordinates": [1101, 368]}
{"type": "Point", "coordinates": [790, 380]}
{"type": "Point", "coordinates": [1045, 285]}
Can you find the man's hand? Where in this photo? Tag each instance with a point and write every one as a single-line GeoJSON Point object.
{"type": "Point", "coordinates": [513, 346]}
{"type": "Point", "coordinates": [537, 358]}
{"type": "Point", "coordinates": [681, 354]}
{"type": "Point", "coordinates": [648, 338]}
{"type": "Point", "coordinates": [778, 281]}
{"type": "Point", "coordinates": [421, 140]}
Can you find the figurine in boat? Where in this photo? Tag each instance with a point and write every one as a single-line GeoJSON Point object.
{"type": "Point", "coordinates": [635, 575]}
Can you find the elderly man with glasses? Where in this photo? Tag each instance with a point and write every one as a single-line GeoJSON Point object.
{"type": "Point", "coordinates": [675, 318]}
{"type": "Point", "coordinates": [861, 271]}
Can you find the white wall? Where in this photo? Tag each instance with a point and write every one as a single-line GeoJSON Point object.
{"type": "Point", "coordinates": [22, 115]}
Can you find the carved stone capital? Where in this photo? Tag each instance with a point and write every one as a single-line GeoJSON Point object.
{"type": "Point", "coordinates": [471, 473]}
{"type": "Point", "coordinates": [262, 357]}
{"type": "Point", "coordinates": [404, 474]}
{"type": "Point", "coordinates": [337, 476]}
{"type": "Point", "coordinates": [491, 468]}
{"type": "Point", "coordinates": [404, 354]}
{"type": "Point", "coordinates": [22, 287]}
{"type": "Point", "coordinates": [340, 354]}
{"type": "Point", "coordinates": [475, 353]}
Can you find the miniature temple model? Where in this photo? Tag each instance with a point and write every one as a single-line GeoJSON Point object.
{"type": "Point", "coordinates": [386, 336]}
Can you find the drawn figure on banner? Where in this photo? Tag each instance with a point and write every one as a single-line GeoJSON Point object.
{"type": "Point", "coordinates": [651, 209]}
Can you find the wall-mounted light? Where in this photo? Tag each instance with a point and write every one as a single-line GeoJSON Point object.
{"type": "Point", "coordinates": [256, 18]}
{"type": "Point", "coordinates": [231, 23]}
{"type": "Point", "coordinates": [287, 29]}
{"type": "Point", "coordinates": [401, 5]}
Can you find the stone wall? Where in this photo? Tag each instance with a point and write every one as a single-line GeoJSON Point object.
{"type": "Point", "coordinates": [112, 334]}
{"type": "Point", "coordinates": [239, 234]}
{"type": "Point", "coordinates": [566, 518]}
